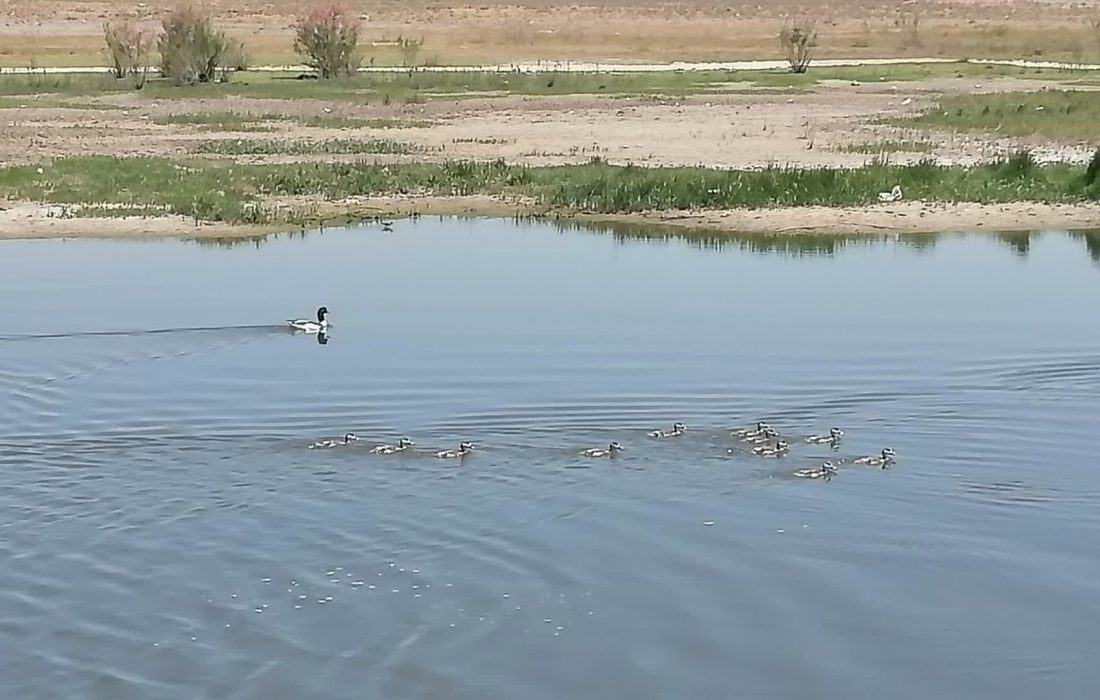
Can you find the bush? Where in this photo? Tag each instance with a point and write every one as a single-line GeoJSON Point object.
{"type": "Point", "coordinates": [798, 42]}
{"type": "Point", "coordinates": [192, 51]}
{"type": "Point", "coordinates": [128, 48]}
{"type": "Point", "coordinates": [327, 37]}
{"type": "Point", "coordinates": [1092, 173]}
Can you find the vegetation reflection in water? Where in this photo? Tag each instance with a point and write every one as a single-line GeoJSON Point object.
{"type": "Point", "coordinates": [794, 244]}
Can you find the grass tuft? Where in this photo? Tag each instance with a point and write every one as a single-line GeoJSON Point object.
{"type": "Point", "coordinates": [251, 147]}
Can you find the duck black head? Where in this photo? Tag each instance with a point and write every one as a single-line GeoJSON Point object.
{"type": "Point", "coordinates": [321, 313]}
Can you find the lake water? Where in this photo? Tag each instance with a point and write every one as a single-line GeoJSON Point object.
{"type": "Point", "coordinates": [166, 533]}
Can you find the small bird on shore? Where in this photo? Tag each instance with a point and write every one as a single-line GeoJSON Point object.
{"type": "Point", "coordinates": [893, 195]}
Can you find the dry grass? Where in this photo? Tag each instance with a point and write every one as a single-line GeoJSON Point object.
{"type": "Point", "coordinates": [67, 32]}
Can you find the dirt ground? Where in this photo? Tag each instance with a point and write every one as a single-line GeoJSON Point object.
{"type": "Point", "coordinates": [69, 32]}
{"type": "Point", "coordinates": [813, 128]}
{"type": "Point", "coordinates": [740, 130]}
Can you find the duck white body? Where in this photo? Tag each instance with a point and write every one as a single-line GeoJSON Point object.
{"type": "Point", "coordinates": [776, 450]}
{"type": "Point", "coordinates": [678, 429]}
{"type": "Point", "coordinates": [306, 325]}
{"type": "Point", "coordinates": [884, 459]}
{"type": "Point", "coordinates": [329, 444]}
{"type": "Point", "coordinates": [834, 436]}
{"type": "Point", "coordinates": [608, 451]}
{"type": "Point", "coordinates": [463, 450]}
{"type": "Point", "coordinates": [402, 445]}
{"type": "Point", "coordinates": [826, 471]}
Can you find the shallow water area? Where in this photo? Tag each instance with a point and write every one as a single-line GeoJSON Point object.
{"type": "Point", "coordinates": [165, 532]}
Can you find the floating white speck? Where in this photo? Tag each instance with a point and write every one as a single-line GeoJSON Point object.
{"type": "Point", "coordinates": [321, 601]}
{"type": "Point", "coordinates": [259, 610]}
{"type": "Point", "coordinates": [452, 624]}
{"type": "Point", "coordinates": [371, 587]}
{"type": "Point", "coordinates": [560, 628]}
{"type": "Point", "coordinates": [302, 597]}
{"type": "Point", "coordinates": [416, 595]}
{"type": "Point", "coordinates": [328, 599]}
{"type": "Point", "coordinates": [357, 583]}
{"type": "Point", "coordinates": [416, 571]}
{"type": "Point", "coordinates": [548, 621]}
{"type": "Point", "coordinates": [193, 639]}
{"type": "Point", "coordinates": [227, 625]}
{"type": "Point", "coordinates": [504, 595]}
{"type": "Point", "coordinates": [297, 607]}
{"type": "Point", "coordinates": [265, 580]}
{"type": "Point", "coordinates": [781, 530]}
{"type": "Point", "coordinates": [233, 595]}
{"type": "Point", "coordinates": [708, 523]}
{"type": "Point", "coordinates": [330, 573]}
{"type": "Point", "coordinates": [396, 590]}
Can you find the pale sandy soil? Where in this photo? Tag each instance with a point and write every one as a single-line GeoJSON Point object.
{"type": "Point", "coordinates": [730, 130]}
{"type": "Point", "coordinates": [25, 220]}
{"type": "Point", "coordinates": [68, 32]}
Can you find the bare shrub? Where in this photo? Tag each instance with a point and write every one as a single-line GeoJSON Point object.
{"type": "Point", "coordinates": [908, 25]}
{"type": "Point", "coordinates": [327, 37]}
{"type": "Point", "coordinates": [128, 48]}
{"type": "Point", "coordinates": [410, 50]}
{"type": "Point", "coordinates": [192, 50]}
{"type": "Point", "coordinates": [798, 42]}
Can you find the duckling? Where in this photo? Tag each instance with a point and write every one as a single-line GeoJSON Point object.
{"type": "Point", "coordinates": [826, 471]}
{"type": "Point", "coordinates": [885, 458]}
{"type": "Point", "coordinates": [779, 449]}
{"type": "Point", "coordinates": [328, 444]}
{"type": "Point", "coordinates": [767, 436]}
{"type": "Point", "coordinates": [463, 450]}
{"type": "Point", "coordinates": [402, 445]}
{"type": "Point", "coordinates": [608, 451]}
{"type": "Point", "coordinates": [760, 429]}
{"type": "Point", "coordinates": [834, 436]}
{"type": "Point", "coordinates": [306, 325]}
{"type": "Point", "coordinates": [678, 429]}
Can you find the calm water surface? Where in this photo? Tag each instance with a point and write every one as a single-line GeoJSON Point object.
{"type": "Point", "coordinates": [166, 533]}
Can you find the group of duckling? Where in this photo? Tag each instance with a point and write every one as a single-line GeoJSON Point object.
{"type": "Point", "coordinates": [765, 441]}
{"type": "Point", "coordinates": [402, 445]}
{"type": "Point", "coordinates": [760, 440]}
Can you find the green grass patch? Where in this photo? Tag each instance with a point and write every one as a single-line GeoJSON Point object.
{"type": "Point", "coordinates": [1063, 115]}
{"type": "Point", "coordinates": [402, 87]}
{"type": "Point", "coordinates": [234, 193]}
{"type": "Point", "coordinates": [256, 147]}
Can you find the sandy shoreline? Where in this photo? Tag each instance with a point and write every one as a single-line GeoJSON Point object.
{"type": "Point", "coordinates": [26, 220]}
